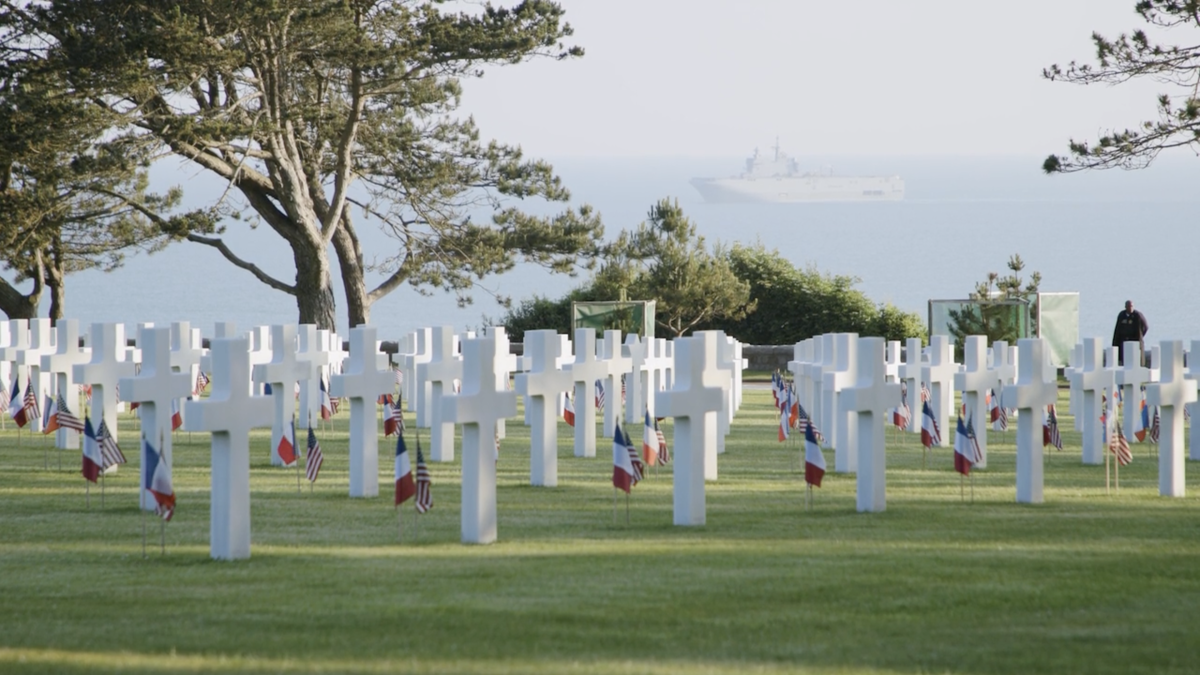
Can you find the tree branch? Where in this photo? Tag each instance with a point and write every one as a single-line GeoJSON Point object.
{"type": "Point", "coordinates": [248, 266]}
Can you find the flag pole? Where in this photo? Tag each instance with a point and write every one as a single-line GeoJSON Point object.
{"type": "Point", "coordinates": [626, 508]}
{"type": "Point", "coordinates": [1107, 484]}
{"type": "Point", "coordinates": [962, 493]}
{"type": "Point", "coordinates": [296, 453]}
{"type": "Point", "coordinates": [972, 488]}
{"type": "Point", "coordinates": [614, 505]}
{"type": "Point", "coordinates": [162, 522]}
{"type": "Point", "coordinates": [1117, 474]}
{"type": "Point", "coordinates": [88, 493]}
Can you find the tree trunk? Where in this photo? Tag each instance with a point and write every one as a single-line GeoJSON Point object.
{"type": "Point", "coordinates": [17, 305]}
{"type": "Point", "coordinates": [350, 260]}
{"type": "Point", "coordinates": [314, 286]}
{"type": "Point", "coordinates": [55, 281]}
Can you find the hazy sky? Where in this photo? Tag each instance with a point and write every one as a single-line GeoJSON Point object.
{"type": "Point", "coordinates": [719, 77]}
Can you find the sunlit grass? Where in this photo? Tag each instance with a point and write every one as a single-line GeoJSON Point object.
{"type": "Point", "coordinates": [1087, 582]}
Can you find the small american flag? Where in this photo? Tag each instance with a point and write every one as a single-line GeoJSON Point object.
{"type": "Point", "coordinates": [1155, 426]}
{"type": "Point", "coordinates": [87, 392]}
{"type": "Point", "coordinates": [599, 395]}
{"type": "Point", "coordinates": [314, 458]}
{"type": "Point", "coordinates": [399, 377]}
{"type": "Point", "coordinates": [664, 454]}
{"type": "Point", "coordinates": [1120, 447]}
{"type": "Point", "coordinates": [109, 450]}
{"type": "Point", "coordinates": [925, 393]}
{"type": "Point", "coordinates": [4, 398]}
{"type": "Point", "coordinates": [66, 418]}
{"type": "Point", "coordinates": [201, 383]}
{"type": "Point", "coordinates": [424, 500]}
{"type": "Point", "coordinates": [1052, 436]}
{"type": "Point", "coordinates": [31, 403]}
{"type": "Point", "coordinates": [635, 458]}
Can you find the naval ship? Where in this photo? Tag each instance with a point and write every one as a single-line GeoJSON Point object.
{"type": "Point", "coordinates": [779, 179]}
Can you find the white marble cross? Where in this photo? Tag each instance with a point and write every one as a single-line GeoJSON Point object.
{"type": "Point", "coordinates": [1171, 393]}
{"type": "Point", "coordinates": [638, 380]}
{"type": "Point", "coordinates": [484, 400]}
{"type": "Point", "coordinates": [939, 375]}
{"type": "Point", "coordinates": [727, 359]}
{"type": "Point", "coordinates": [314, 361]}
{"type": "Point", "coordinates": [618, 364]}
{"type": "Point", "coordinates": [1131, 378]}
{"type": "Point", "coordinates": [282, 372]}
{"type": "Point", "coordinates": [186, 353]}
{"type": "Point", "coordinates": [155, 387]}
{"type": "Point", "coordinates": [362, 382]}
{"type": "Point", "coordinates": [845, 421]}
{"type": "Point", "coordinates": [975, 382]}
{"type": "Point", "coordinates": [105, 369]}
{"type": "Point", "coordinates": [415, 390]}
{"type": "Point", "coordinates": [443, 368]}
{"type": "Point", "coordinates": [506, 365]}
{"type": "Point", "coordinates": [1193, 409]}
{"type": "Point", "coordinates": [584, 373]}
{"type": "Point", "coordinates": [869, 398]}
{"type": "Point", "coordinates": [694, 402]}
{"type": "Point", "coordinates": [1073, 373]}
{"type": "Point", "coordinates": [41, 343]}
{"type": "Point", "coordinates": [18, 342]}
{"type": "Point", "coordinates": [655, 365]}
{"type": "Point", "coordinates": [221, 329]}
{"type": "Point", "coordinates": [61, 366]}
{"type": "Point", "coordinates": [1093, 380]}
{"type": "Point", "coordinates": [260, 352]}
{"type": "Point", "coordinates": [540, 386]}
{"type": "Point", "coordinates": [1030, 395]}
{"type": "Point", "coordinates": [5, 366]}
{"type": "Point", "coordinates": [830, 360]}
{"type": "Point", "coordinates": [801, 357]}
{"type": "Point", "coordinates": [229, 413]}
{"type": "Point", "coordinates": [1003, 370]}
{"type": "Point", "coordinates": [910, 374]}
{"type": "Point", "coordinates": [892, 361]}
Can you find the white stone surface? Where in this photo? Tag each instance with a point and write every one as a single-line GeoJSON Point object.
{"type": "Point", "coordinates": [314, 363]}
{"type": "Point", "coordinates": [1073, 373]}
{"type": "Point", "coordinates": [1130, 379]}
{"type": "Point", "coordinates": [362, 381]}
{"type": "Point", "coordinates": [61, 367]}
{"type": "Point", "coordinates": [1093, 380]}
{"type": "Point", "coordinates": [41, 343]}
{"type": "Point", "coordinates": [910, 375]}
{"type": "Point", "coordinates": [414, 389]}
{"type": "Point", "coordinates": [229, 413]}
{"type": "Point", "coordinates": [869, 398]}
{"type": "Point", "coordinates": [975, 381]}
{"type": "Point", "coordinates": [105, 369]}
{"type": "Point", "coordinates": [282, 372]}
{"type": "Point", "coordinates": [1193, 409]}
{"type": "Point", "coordinates": [540, 387]}
{"type": "Point", "coordinates": [155, 388]}
{"type": "Point", "coordinates": [619, 364]}
{"type": "Point", "coordinates": [939, 375]}
{"type": "Point", "coordinates": [831, 359]}
{"type": "Point", "coordinates": [585, 370]}
{"type": "Point", "coordinates": [443, 368]}
{"type": "Point", "coordinates": [484, 401]}
{"type": "Point", "coordinates": [694, 402]}
{"type": "Point", "coordinates": [637, 385]}
{"type": "Point", "coordinates": [844, 422]}
{"type": "Point", "coordinates": [1171, 393]}
{"type": "Point", "coordinates": [1030, 395]}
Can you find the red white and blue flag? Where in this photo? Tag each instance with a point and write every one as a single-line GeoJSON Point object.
{"type": "Point", "coordinates": [930, 434]}
{"type": "Point", "coordinates": [158, 480]}
{"type": "Point", "coordinates": [1155, 426]}
{"type": "Point", "coordinates": [599, 395]}
{"type": "Point", "coordinates": [176, 415]}
{"type": "Point", "coordinates": [93, 459]}
{"type": "Point", "coordinates": [569, 411]}
{"type": "Point", "coordinates": [1050, 433]}
{"type": "Point", "coordinates": [649, 442]}
{"type": "Point", "coordinates": [49, 416]}
{"type": "Point", "coordinates": [287, 444]}
{"type": "Point", "coordinates": [622, 466]}
{"type": "Point", "coordinates": [424, 500]}
{"type": "Point", "coordinates": [326, 402]}
{"type": "Point", "coordinates": [664, 453]}
{"type": "Point", "coordinates": [109, 450]}
{"type": "Point", "coordinates": [814, 459]}
{"type": "Point", "coordinates": [405, 487]}
{"type": "Point", "coordinates": [1141, 423]}
{"type": "Point", "coordinates": [964, 459]}
{"type": "Point", "coordinates": [314, 458]}
{"type": "Point", "coordinates": [65, 418]}
{"type": "Point", "coordinates": [16, 406]}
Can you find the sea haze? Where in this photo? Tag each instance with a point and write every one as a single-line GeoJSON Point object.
{"type": "Point", "coordinates": [1110, 236]}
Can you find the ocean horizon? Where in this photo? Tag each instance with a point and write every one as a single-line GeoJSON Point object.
{"type": "Point", "coordinates": [1108, 235]}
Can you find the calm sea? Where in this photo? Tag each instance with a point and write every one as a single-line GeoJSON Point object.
{"type": "Point", "coordinates": [1110, 236]}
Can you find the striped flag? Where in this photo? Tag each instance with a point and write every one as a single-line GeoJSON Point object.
{"type": "Point", "coordinates": [424, 500]}
{"type": "Point", "coordinates": [4, 397]}
{"type": "Point", "coordinates": [390, 424]}
{"type": "Point", "coordinates": [1050, 434]}
{"type": "Point", "coordinates": [49, 416]}
{"type": "Point", "coordinates": [814, 459]}
{"type": "Point", "coordinates": [93, 459]}
{"type": "Point", "coordinates": [783, 426]}
{"type": "Point", "coordinates": [664, 454]}
{"type": "Point", "coordinates": [998, 412]}
{"type": "Point", "coordinates": [975, 453]}
{"type": "Point", "coordinates": [926, 395]}
{"type": "Point", "coordinates": [17, 409]}
{"type": "Point", "coordinates": [405, 488]}
{"type": "Point", "coordinates": [635, 458]}
{"type": "Point", "coordinates": [201, 384]}
{"type": "Point", "coordinates": [599, 395]}
{"type": "Point", "coordinates": [622, 466]}
{"type": "Point", "coordinates": [930, 434]}
{"type": "Point", "coordinates": [31, 402]}
{"type": "Point", "coordinates": [803, 419]}
{"type": "Point", "coordinates": [109, 450]}
{"type": "Point", "coordinates": [326, 402]}
{"type": "Point", "coordinates": [1155, 426]}
{"type": "Point", "coordinates": [1120, 447]}
{"type": "Point", "coordinates": [963, 458]}
{"type": "Point", "coordinates": [158, 480]}
{"type": "Point", "coordinates": [66, 418]}
{"type": "Point", "coordinates": [649, 442]}
{"type": "Point", "coordinates": [314, 458]}
{"type": "Point", "coordinates": [569, 411]}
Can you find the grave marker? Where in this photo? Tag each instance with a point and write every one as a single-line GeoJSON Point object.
{"type": "Point", "coordinates": [910, 375]}
{"type": "Point", "coordinates": [869, 398]}
{"type": "Point", "coordinates": [540, 386]}
{"type": "Point", "coordinates": [584, 373]}
{"type": "Point", "coordinates": [1030, 395]}
{"type": "Point", "coordinates": [282, 372]}
{"type": "Point", "coordinates": [1093, 380]}
{"type": "Point", "coordinates": [105, 369]}
{"type": "Point", "coordinates": [439, 373]}
{"type": "Point", "coordinates": [975, 382]}
{"type": "Point", "coordinates": [362, 382]}
{"type": "Point", "coordinates": [61, 366]}
{"type": "Point", "coordinates": [618, 364]}
{"type": "Point", "coordinates": [1171, 393]}
{"type": "Point", "coordinates": [1130, 379]}
{"type": "Point", "coordinates": [844, 423]}
{"type": "Point", "coordinates": [939, 375]}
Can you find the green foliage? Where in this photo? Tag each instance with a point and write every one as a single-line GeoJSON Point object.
{"type": "Point", "coordinates": [1138, 55]}
{"type": "Point", "coordinates": [318, 110]}
{"type": "Point", "coordinates": [795, 304]}
{"type": "Point", "coordinates": [1000, 304]}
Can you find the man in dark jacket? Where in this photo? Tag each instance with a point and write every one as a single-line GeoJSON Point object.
{"type": "Point", "coordinates": [1131, 327]}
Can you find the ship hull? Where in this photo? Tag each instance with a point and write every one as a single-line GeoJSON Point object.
{"type": "Point", "coordinates": [801, 189]}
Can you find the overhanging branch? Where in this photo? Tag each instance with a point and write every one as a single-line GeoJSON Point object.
{"type": "Point", "coordinates": [248, 266]}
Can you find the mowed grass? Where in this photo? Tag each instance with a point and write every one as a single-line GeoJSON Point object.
{"type": "Point", "coordinates": [1087, 583]}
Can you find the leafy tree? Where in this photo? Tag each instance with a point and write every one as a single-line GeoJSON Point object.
{"type": "Point", "coordinates": [1000, 303]}
{"type": "Point", "coordinates": [665, 260]}
{"type": "Point", "coordinates": [794, 304]}
{"type": "Point", "coordinates": [1137, 55]}
{"type": "Point", "coordinates": [70, 204]}
{"type": "Point", "coordinates": [312, 108]}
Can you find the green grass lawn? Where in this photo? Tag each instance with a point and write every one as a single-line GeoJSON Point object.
{"type": "Point", "coordinates": [1086, 583]}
